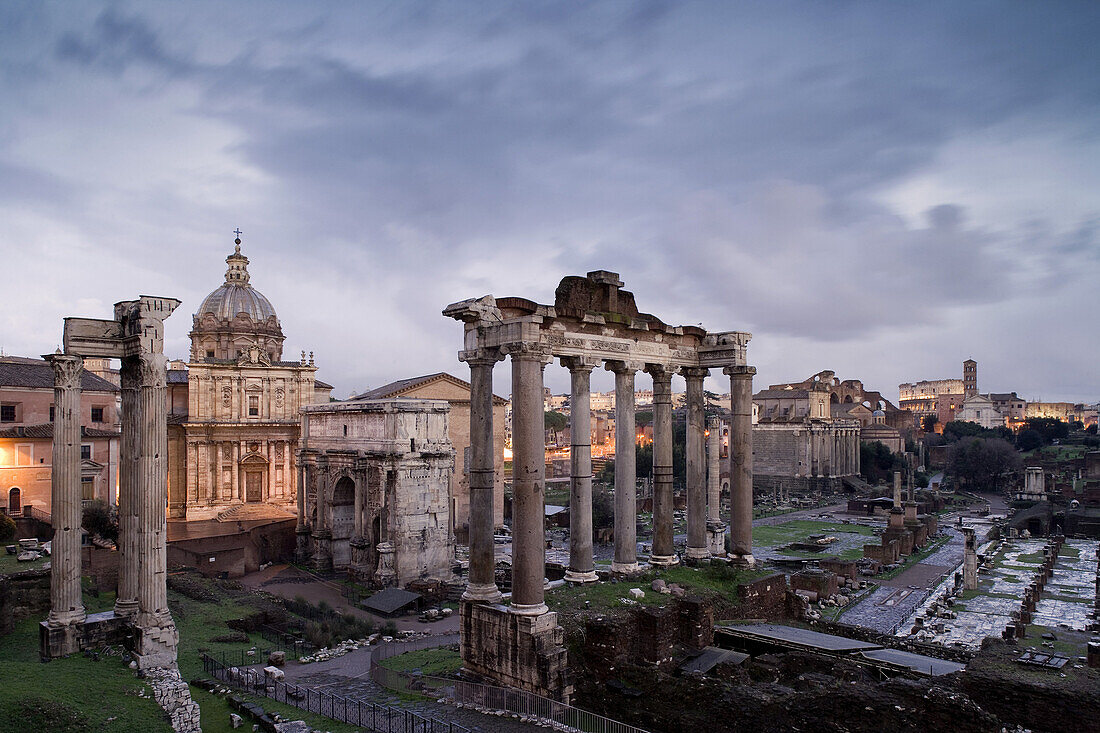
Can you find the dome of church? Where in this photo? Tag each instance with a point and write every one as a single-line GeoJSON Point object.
{"type": "Point", "coordinates": [236, 295]}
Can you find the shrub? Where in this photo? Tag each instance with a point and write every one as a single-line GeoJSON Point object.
{"type": "Point", "coordinates": [7, 528]}
{"type": "Point", "coordinates": [100, 519]}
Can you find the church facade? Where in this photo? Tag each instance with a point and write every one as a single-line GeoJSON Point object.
{"type": "Point", "coordinates": [234, 410]}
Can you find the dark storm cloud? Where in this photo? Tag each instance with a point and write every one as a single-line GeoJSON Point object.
{"type": "Point", "coordinates": [732, 161]}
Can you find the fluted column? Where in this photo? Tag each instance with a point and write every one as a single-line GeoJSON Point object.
{"type": "Point", "coordinates": [664, 552]}
{"type": "Point", "coordinates": [626, 501]}
{"type": "Point", "coordinates": [153, 478]}
{"type": "Point", "coordinates": [66, 603]}
{"type": "Point", "coordinates": [528, 479]}
{"type": "Point", "coordinates": [129, 484]}
{"type": "Point", "coordinates": [740, 457]}
{"type": "Point", "coordinates": [582, 569]}
{"type": "Point", "coordinates": [481, 585]}
{"type": "Point", "coordinates": [322, 532]}
{"type": "Point", "coordinates": [696, 466]}
{"type": "Point", "coordinates": [716, 530]}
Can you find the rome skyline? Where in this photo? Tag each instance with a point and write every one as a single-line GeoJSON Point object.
{"type": "Point", "coordinates": [879, 192]}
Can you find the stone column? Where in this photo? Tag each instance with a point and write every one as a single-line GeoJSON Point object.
{"type": "Point", "coordinates": [322, 533]}
{"type": "Point", "coordinates": [696, 466]}
{"type": "Point", "coordinates": [716, 531]}
{"type": "Point", "coordinates": [129, 485]}
{"type": "Point", "coordinates": [741, 463]}
{"type": "Point", "coordinates": [302, 528]}
{"type": "Point", "coordinates": [626, 509]}
{"type": "Point", "coordinates": [897, 490]}
{"type": "Point", "coordinates": [664, 552]}
{"type": "Point", "coordinates": [582, 569]}
{"type": "Point", "coordinates": [481, 585]}
{"type": "Point", "coordinates": [528, 479]}
{"type": "Point", "coordinates": [66, 602]}
{"type": "Point", "coordinates": [156, 638]}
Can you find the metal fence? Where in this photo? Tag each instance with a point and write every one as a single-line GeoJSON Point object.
{"type": "Point", "coordinates": [487, 697]}
{"type": "Point", "coordinates": [353, 711]}
{"type": "Point", "coordinates": [295, 647]}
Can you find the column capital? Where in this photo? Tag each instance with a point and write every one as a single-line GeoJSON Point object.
{"type": "Point", "coordinates": [661, 372]}
{"type": "Point", "coordinates": [485, 356]}
{"type": "Point", "coordinates": [579, 363]}
{"type": "Point", "coordinates": [690, 373]}
{"type": "Point", "coordinates": [713, 422]}
{"type": "Point", "coordinates": [153, 370]}
{"type": "Point", "coordinates": [528, 351]}
{"type": "Point", "coordinates": [740, 372]}
{"type": "Point", "coordinates": [623, 367]}
{"type": "Point", "coordinates": [66, 370]}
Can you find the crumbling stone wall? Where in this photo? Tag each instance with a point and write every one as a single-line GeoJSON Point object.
{"type": "Point", "coordinates": [649, 635]}
{"type": "Point", "coordinates": [765, 598]}
{"type": "Point", "coordinates": [23, 595]}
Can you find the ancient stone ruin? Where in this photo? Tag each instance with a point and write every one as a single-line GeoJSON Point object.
{"type": "Point", "coordinates": [592, 321]}
{"type": "Point", "coordinates": [136, 337]}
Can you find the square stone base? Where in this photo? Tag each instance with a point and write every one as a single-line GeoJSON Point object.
{"type": "Point", "coordinates": [514, 650]}
{"type": "Point", "coordinates": [156, 646]}
{"type": "Point", "coordinates": [96, 630]}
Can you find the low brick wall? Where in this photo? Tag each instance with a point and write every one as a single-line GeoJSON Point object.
{"type": "Point", "coordinates": [23, 595]}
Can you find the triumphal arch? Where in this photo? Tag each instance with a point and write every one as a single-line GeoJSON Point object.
{"type": "Point", "coordinates": [592, 322]}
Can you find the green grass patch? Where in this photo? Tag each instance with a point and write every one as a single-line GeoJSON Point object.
{"type": "Point", "coordinates": [73, 694]}
{"type": "Point", "coordinates": [438, 662]}
{"type": "Point", "coordinates": [915, 558]}
{"type": "Point", "coordinates": [1029, 558]}
{"type": "Point", "coordinates": [215, 712]}
{"type": "Point", "coordinates": [10, 564]}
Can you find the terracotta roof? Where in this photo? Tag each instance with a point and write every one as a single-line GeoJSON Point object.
{"type": "Point", "coordinates": [45, 430]}
{"type": "Point", "coordinates": [401, 386]}
{"type": "Point", "coordinates": [37, 374]}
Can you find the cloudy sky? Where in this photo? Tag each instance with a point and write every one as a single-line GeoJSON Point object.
{"type": "Point", "coordinates": [880, 189]}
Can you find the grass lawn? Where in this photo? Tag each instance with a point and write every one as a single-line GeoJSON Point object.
{"type": "Point", "coordinates": [74, 694]}
{"type": "Point", "coordinates": [9, 564]}
{"type": "Point", "coordinates": [915, 558]}
{"type": "Point", "coordinates": [437, 662]}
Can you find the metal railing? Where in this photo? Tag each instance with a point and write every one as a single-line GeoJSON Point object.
{"type": "Point", "coordinates": [295, 647]}
{"type": "Point", "coordinates": [353, 711]}
{"type": "Point", "coordinates": [486, 697]}
{"type": "Point", "coordinates": [34, 512]}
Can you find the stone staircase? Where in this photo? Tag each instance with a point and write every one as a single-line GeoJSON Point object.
{"type": "Point", "coordinates": [253, 511]}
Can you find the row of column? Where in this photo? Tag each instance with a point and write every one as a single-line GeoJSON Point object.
{"type": "Point", "coordinates": [143, 493]}
{"type": "Point", "coordinates": [529, 466]}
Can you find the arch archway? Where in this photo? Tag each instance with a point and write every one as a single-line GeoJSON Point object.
{"type": "Point", "coordinates": [343, 520]}
{"type": "Point", "coordinates": [833, 399]}
{"type": "Point", "coordinates": [15, 501]}
{"type": "Point", "coordinates": [847, 399]}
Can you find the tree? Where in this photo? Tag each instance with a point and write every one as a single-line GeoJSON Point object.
{"type": "Point", "coordinates": [1048, 428]}
{"type": "Point", "coordinates": [877, 462]}
{"type": "Point", "coordinates": [928, 423]}
{"type": "Point", "coordinates": [7, 528]}
{"type": "Point", "coordinates": [555, 421]}
{"type": "Point", "coordinates": [958, 429]}
{"type": "Point", "coordinates": [99, 519]}
{"type": "Point", "coordinates": [1028, 440]}
{"type": "Point", "coordinates": [983, 464]}
{"type": "Point", "coordinates": [603, 509]}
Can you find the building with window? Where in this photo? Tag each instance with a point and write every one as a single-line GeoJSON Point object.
{"type": "Point", "coordinates": [26, 435]}
{"type": "Point", "coordinates": [234, 410]}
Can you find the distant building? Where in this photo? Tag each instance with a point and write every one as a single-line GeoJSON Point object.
{"type": "Point", "coordinates": [1011, 406]}
{"type": "Point", "coordinates": [979, 408]}
{"type": "Point", "coordinates": [970, 378]}
{"type": "Point", "coordinates": [877, 431]}
{"type": "Point", "coordinates": [850, 392]}
{"type": "Point", "coordinates": [26, 435]}
{"type": "Point", "coordinates": [234, 412]}
{"type": "Point", "coordinates": [939, 397]}
{"type": "Point", "coordinates": [1065, 411]}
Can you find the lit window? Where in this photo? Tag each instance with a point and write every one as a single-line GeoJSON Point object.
{"type": "Point", "coordinates": [87, 488]}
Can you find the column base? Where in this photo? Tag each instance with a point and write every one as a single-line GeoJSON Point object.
{"type": "Point", "coordinates": [126, 608]}
{"type": "Point", "coordinates": [60, 619]}
{"type": "Point", "coordinates": [59, 641]}
{"type": "Point", "coordinates": [697, 553]}
{"type": "Point", "coordinates": [482, 593]}
{"type": "Point", "coordinates": [574, 576]}
{"type": "Point", "coordinates": [528, 609]}
{"type": "Point", "coordinates": [664, 560]}
{"type": "Point", "coordinates": [625, 568]}
{"type": "Point", "coordinates": [746, 560]}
